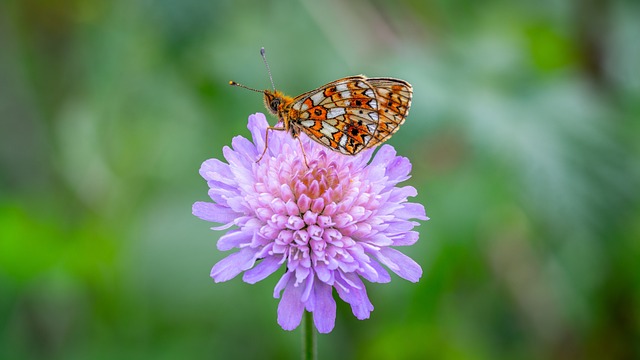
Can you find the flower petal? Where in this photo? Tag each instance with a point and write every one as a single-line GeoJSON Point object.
{"type": "Point", "coordinates": [258, 126]}
{"type": "Point", "coordinates": [223, 227]}
{"type": "Point", "coordinates": [290, 308]}
{"type": "Point", "coordinates": [412, 211]}
{"type": "Point", "coordinates": [240, 166]}
{"type": "Point", "coordinates": [234, 239]}
{"type": "Point", "coordinates": [383, 274]}
{"type": "Point", "coordinates": [355, 295]}
{"type": "Point", "coordinates": [384, 156]}
{"type": "Point", "coordinates": [323, 273]}
{"type": "Point", "coordinates": [405, 239]}
{"type": "Point", "coordinates": [400, 194]}
{"type": "Point", "coordinates": [263, 269]}
{"type": "Point", "coordinates": [401, 226]}
{"type": "Point", "coordinates": [214, 169]}
{"type": "Point", "coordinates": [227, 268]}
{"type": "Point", "coordinates": [243, 146]}
{"type": "Point", "coordinates": [324, 314]}
{"type": "Point", "coordinates": [362, 159]}
{"type": "Point", "coordinates": [380, 240]}
{"type": "Point", "coordinates": [400, 264]}
{"type": "Point", "coordinates": [282, 283]}
{"type": "Point", "coordinates": [398, 170]}
{"type": "Point", "coordinates": [213, 212]}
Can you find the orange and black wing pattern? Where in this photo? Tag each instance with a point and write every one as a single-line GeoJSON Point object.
{"type": "Point", "coordinates": [353, 113]}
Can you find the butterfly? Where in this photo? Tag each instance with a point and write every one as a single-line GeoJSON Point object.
{"type": "Point", "coordinates": [347, 115]}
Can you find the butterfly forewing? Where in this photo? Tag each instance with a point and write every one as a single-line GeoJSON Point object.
{"type": "Point", "coordinates": [352, 114]}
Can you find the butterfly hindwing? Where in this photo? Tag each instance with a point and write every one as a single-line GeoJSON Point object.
{"type": "Point", "coordinates": [394, 96]}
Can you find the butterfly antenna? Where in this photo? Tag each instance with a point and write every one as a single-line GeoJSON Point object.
{"type": "Point", "coordinates": [264, 58]}
{"type": "Point", "coordinates": [233, 83]}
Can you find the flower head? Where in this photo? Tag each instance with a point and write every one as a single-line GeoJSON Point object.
{"type": "Point", "coordinates": [330, 224]}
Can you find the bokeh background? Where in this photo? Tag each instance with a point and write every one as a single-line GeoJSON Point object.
{"type": "Point", "coordinates": [524, 135]}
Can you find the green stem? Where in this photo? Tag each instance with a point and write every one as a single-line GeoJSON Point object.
{"type": "Point", "coordinates": [309, 350]}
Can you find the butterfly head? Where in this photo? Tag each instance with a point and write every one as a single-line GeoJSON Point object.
{"type": "Point", "coordinates": [273, 101]}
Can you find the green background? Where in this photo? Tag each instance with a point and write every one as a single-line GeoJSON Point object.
{"type": "Point", "coordinates": [524, 135]}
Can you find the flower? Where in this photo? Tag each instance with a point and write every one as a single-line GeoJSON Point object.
{"type": "Point", "coordinates": [330, 223]}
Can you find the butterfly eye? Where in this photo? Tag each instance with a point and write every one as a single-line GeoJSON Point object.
{"type": "Point", "coordinates": [274, 104]}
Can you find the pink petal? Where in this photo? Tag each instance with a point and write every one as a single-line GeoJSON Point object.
{"type": "Point", "coordinates": [356, 296]}
{"type": "Point", "coordinates": [405, 239]}
{"type": "Point", "coordinates": [400, 194]}
{"type": "Point", "coordinates": [384, 156]}
{"type": "Point", "coordinates": [263, 269]}
{"type": "Point", "coordinates": [412, 211]}
{"type": "Point", "coordinates": [213, 212]}
{"type": "Point", "coordinates": [290, 308]}
{"type": "Point", "coordinates": [324, 314]}
{"type": "Point", "coordinates": [398, 170]}
{"type": "Point", "coordinates": [227, 268]}
{"type": "Point", "coordinates": [401, 226]}
{"type": "Point", "coordinates": [216, 170]}
{"type": "Point", "coordinates": [400, 264]}
{"type": "Point", "coordinates": [234, 239]}
{"type": "Point", "coordinates": [243, 146]}
{"type": "Point", "coordinates": [258, 126]}
{"type": "Point", "coordinates": [383, 274]}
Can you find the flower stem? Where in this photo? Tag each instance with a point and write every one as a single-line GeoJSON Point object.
{"type": "Point", "coordinates": [309, 350]}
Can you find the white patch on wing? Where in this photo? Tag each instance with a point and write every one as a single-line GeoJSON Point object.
{"type": "Point", "coordinates": [343, 141]}
{"type": "Point", "coordinates": [373, 103]}
{"type": "Point", "coordinates": [328, 130]}
{"type": "Point", "coordinates": [307, 123]}
{"type": "Point", "coordinates": [370, 93]}
{"type": "Point", "coordinates": [300, 106]}
{"type": "Point", "coordinates": [372, 127]}
{"type": "Point", "coordinates": [317, 98]}
{"type": "Point", "coordinates": [345, 94]}
{"type": "Point", "coordinates": [336, 111]}
{"type": "Point", "coordinates": [373, 116]}
{"type": "Point", "coordinates": [341, 87]}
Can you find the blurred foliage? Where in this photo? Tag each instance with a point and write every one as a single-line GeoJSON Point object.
{"type": "Point", "coordinates": [524, 135]}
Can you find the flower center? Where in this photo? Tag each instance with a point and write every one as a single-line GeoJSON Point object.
{"type": "Point", "coordinates": [304, 229]}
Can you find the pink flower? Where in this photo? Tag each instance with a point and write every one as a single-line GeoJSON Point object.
{"type": "Point", "coordinates": [331, 224]}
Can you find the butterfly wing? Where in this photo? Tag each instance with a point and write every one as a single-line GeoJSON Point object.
{"type": "Point", "coordinates": [394, 100]}
{"type": "Point", "coordinates": [343, 115]}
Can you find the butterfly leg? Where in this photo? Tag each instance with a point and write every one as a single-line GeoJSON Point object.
{"type": "Point", "coordinates": [266, 139]}
{"type": "Point", "coordinates": [304, 155]}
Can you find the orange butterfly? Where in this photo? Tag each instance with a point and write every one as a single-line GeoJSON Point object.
{"type": "Point", "coordinates": [347, 115]}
